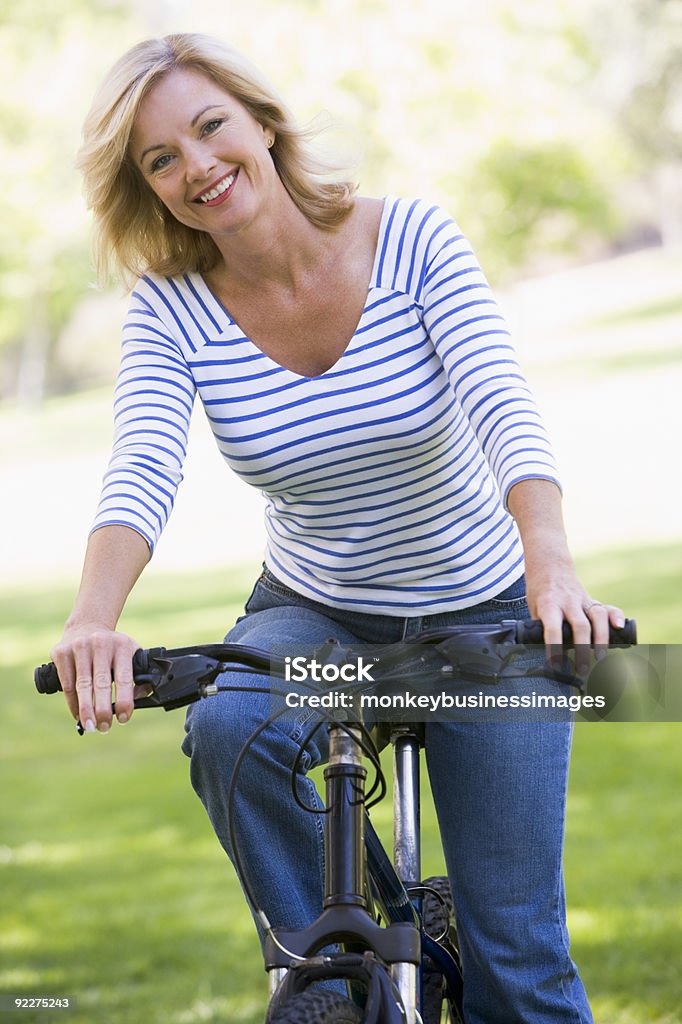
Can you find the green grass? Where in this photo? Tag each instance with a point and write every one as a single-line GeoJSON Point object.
{"type": "Point", "coordinates": [116, 892]}
{"type": "Point", "coordinates": [646, 581]}
{"type": "Point", "coordinates": [624, 871]}
{"type": "Point", "coordinates": [653, 320]}
{"type": "Point", "coordinates": [649, 311]}
{"type": "Point", "coordinates": [76, 424]}
{"type": "Point", "coordinates": [654, 359]}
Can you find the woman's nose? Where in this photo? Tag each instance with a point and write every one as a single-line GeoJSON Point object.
{"type": "Point", "coordinates": [199, 163]}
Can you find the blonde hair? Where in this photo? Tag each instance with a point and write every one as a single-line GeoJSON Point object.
{"type": "Point", "coordinates": [134, 231]}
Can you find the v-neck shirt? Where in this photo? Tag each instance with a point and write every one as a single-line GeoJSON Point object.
{"type": "Point", "coordinates": [385, 476]}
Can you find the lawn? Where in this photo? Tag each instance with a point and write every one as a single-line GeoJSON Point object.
{"type": "Point", "coordinates": [117, 894]}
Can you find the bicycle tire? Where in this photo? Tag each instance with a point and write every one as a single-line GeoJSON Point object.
{"type": "Point", "coordinates": [317, 1006]}
{"type": "Point", "coordinates": [439, 922]}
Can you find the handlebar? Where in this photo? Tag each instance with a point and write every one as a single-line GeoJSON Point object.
{"type": "Point", "coordinates": [179, 676]}
{"type": "Point", "coordinates": [530, 632]}
{"type": "Point", "coordinates": [199, 664]}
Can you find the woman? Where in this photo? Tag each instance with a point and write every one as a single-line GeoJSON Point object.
{"type": "Point", "coordinates": [354, 366]}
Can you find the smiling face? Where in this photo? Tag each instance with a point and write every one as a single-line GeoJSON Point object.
{"type": "Point", "coordinates": [203, 154]}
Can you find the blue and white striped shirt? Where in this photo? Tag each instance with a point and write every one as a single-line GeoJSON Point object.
{"type": "Point", "coordinates": [386, 476]}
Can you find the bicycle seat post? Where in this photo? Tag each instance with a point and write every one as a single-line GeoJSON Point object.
{"type": "Point", "coordinates": [406, 805]}
{"type": "Point", "coordinates": [406, 834]}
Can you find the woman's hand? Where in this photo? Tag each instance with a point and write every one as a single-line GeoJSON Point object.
{"type": "Point", "coordinates": [555, 594]}
{"type": "Point", "coordinates": [90, 657]}
{"type": "Point", "coordinates": [91, 653]}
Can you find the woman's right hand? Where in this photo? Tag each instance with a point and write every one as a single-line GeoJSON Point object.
{"type": "Point", "coordinates": [89, 658]}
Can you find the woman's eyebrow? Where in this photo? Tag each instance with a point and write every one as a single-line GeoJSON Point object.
{"type": "Point", "coordinates": [211, 106]}
{"type": "Point", "coordinates": [151, 149]}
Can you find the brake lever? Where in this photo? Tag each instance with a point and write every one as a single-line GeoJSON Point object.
{"type": "Point", "coordinates": [494, 662]}
{"type": "Point", "coordinates": [178, 681]}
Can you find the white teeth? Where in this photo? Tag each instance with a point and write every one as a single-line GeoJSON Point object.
{"type": "Point", "coordinates": [218, 190]}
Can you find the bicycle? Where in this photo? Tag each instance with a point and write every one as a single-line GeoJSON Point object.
{"type": "Point", "coordinates": [393, 934]}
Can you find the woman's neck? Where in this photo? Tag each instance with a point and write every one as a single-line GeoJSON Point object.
{"type": "Point", "coordinates": [278, 248]}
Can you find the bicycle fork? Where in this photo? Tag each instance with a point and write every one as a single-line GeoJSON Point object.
{"type": "Point", "coordinates": [345, 917]}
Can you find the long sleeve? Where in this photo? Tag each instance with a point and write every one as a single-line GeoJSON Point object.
{"type": "Point", "coordinates": [474, 345]}
{"type": "Point", "coordinates": [152, 409]}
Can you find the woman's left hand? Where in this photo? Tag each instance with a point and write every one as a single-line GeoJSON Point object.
{"type": "Point", "coordinates": [556, 594]}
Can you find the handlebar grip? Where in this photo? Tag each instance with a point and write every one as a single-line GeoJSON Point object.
{"type": "Point", "coordinates": [47, 680]}
{"type": "Point", "coordinates": [531, 632]}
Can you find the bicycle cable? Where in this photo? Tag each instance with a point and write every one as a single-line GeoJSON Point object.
{"type": "Point", "coordinates": [368, 748]}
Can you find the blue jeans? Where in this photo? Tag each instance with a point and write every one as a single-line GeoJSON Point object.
{"type": "Point", "coordinates": [499, 789]}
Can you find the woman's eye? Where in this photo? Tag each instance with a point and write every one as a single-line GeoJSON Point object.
{"type": "Point", "coordinates": [160, 162]}
{"type": "Point", "coordinates": [212, 126]}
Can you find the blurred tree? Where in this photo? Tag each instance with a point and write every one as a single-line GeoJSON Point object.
{"type": "Point", "coordinates": [652, 112]}
{"type": "Point", "coordinates": [46, 58]}
{"type": "Point", "coordinates": [636, 51]}
{"type": "Point", "coordinates": [542, 198]}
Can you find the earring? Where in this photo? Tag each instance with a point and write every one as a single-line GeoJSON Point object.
{"type": "Point", "coordinates": [270, 142]}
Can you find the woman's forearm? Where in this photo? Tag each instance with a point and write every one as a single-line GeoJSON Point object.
{"type": "Point", "coordinates": [536, 506]}
{"type": "Point", "coordinates": [114, 559]}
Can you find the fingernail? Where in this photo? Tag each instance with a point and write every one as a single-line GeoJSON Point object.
{"type": "Point", "coordinates": [123, 718]}
{"type": "Point", "coordinates": [104, 727]}
{"type": "Point", "coordinates": [620, 622]}
{"type": "Point", "coordinates": [89, 726]}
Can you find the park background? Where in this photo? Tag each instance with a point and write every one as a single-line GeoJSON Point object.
{"type": "Point", "coordinates": [553, 133]}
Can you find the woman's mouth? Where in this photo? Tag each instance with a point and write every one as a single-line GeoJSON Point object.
{"type": "Point", "coordinates": [217, 193]}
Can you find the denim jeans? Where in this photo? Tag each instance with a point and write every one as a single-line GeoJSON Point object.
{"type": "Point", "coordinates": [499, 789]}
